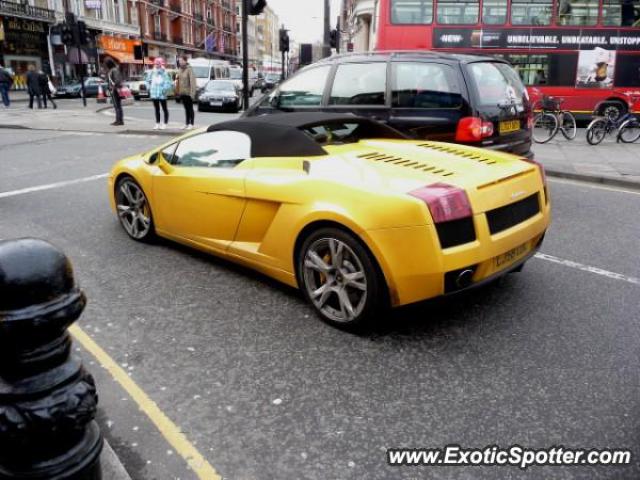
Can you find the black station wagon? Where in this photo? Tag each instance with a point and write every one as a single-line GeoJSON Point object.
{"type": "Point", "coordinates": [474, 100]}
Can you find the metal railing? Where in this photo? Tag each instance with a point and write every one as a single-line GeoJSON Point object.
{"type": "Point", "coordinates": [162, 37]}
{"type": "Point", "coordinates": [26, 10]}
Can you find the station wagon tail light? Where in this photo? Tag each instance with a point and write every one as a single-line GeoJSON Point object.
{"type": "Point", "coordinates": [473, 129]}
{"type": "Point", "coordinates": [445, 202]}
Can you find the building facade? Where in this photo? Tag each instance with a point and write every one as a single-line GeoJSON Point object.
{"type": "Point", "coordinates": [358, 23]}
{"type": "Point", "coordinates": [268, 41]}
{"type": "Point", "coordinates": [195, 28]}
{"type": "Point", "coordinates": [24, 37]}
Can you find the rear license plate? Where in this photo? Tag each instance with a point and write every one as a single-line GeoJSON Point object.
{"type": "Point", "coordinates": [215, 104]}
{"type": "Point", "coordinates": [509, 126]}
{"type": "Point", "coordinates": [511, 256]}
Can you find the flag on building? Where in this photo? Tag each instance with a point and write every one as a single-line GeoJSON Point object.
{"type": "Point", "coordinates": [210, 43]}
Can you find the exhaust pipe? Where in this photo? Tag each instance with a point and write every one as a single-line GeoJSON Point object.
{"type": "Point", "coordinates": [464, 278]}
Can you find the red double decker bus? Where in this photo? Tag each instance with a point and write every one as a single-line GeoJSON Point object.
{"type": "Point", "coordinates": [586, 51]}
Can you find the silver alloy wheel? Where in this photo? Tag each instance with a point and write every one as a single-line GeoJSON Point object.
{"type": "Point", "coordinates": [335, 280]}
{"type": "Point", "coordinates": [133, 209]}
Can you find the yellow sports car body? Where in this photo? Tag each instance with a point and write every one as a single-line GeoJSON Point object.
{"type": "Point", "coordinates": [347, 209]}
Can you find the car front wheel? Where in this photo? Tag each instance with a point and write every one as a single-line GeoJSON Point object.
{"type": "Point", "coordinates": [133, 210]}
{"type": "Point", "coordinates": [341, 279]}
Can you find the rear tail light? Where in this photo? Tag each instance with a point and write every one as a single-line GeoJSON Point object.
{"type": "Point", "coordinates": [445, 202]}
{"type": "Point", "coordinates": [530, 121]}
{"type": "Point", "coordinates": [473, 129]}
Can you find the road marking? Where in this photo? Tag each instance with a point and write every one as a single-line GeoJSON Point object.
{"type": "Point", "coordinates": [39, 188]}
{"type": "Point", "coordinates": [169, 430]}
{"type": "Point", "coordinates": [578, 183]}
{"type": "Point", "coordinates": [588, 268]}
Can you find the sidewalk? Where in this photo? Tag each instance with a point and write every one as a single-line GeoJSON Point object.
{"type": "Point", "coordinates": [608, 163]}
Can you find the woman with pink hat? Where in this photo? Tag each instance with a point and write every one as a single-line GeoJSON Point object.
{"type": "Point", "coordinates": [159, 83]}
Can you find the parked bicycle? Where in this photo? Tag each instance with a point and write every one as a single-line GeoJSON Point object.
{"type": "Point", "coordinates": [625, 126]}
{"type": "Point", "coordinates": [552, 119]}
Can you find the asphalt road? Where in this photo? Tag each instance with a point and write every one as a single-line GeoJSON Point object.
{"type": "Point", "coordinates": [264, 390]}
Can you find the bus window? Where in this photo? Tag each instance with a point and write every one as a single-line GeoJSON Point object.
{"type": "Point", "coordinates": [412, 11]}
{"type": "Point", "coordinates": [494, 12]}
{"type": "Point", "coordinates": [526, 12]}
{"type": "Point", "coordinates": [577, 12]}
{"type": "Point", "coordinates": [625, 13]}
{"type": "Point", "coordinates": [458, 12]}
{"type": "Point", "coordinates": [533, 69]}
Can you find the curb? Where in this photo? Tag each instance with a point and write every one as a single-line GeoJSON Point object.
{"type": "Point", "coordinates": [600, 179]}
{"type": "Point", "coordinates": [151, 133]}
{"type": "Point", "coordinates": [112, 468]}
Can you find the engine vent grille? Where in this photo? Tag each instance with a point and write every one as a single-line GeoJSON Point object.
{"type": "Point", "coordinates": [459, 152]}
{"type": "Point", "coordinates": [403, 162]}
{"type": "Point", "coordinates": [510, 215]}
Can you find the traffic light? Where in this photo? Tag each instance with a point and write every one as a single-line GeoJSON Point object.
{"type": "Point", "coordinates": [284, 40]}
{"type": "Point", "coordinates": [67, 34]}
{"type": "Point", "coordinates": [256, 6]}
{"type": "Point", "coordinates": [334, 39]}
{"type": "Point", "coordinates": [83, 33]}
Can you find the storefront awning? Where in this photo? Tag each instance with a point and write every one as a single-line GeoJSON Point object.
{"type": "Point", "coordinates": [122, 57]}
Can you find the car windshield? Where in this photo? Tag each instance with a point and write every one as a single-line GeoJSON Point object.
{"type": "Point", "coordinates": [497, 83]}
{"type": "Point", "coordinates": [236, 74]}
{"type": "Point", "coordinates": [220, 87]}
{"type": "Point", "coordinates": [201, 72]}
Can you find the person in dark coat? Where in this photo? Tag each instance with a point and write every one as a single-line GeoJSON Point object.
{"type": "Point", "coordinates": [43, 79]}
{"type": "Point", "coordinates": [33, 86]}
{"type": "Point", "coordinates": [6, 80]}
{"type": "Point", "coordinates": [114, 79]}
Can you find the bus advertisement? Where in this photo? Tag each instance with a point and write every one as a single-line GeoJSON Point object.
{"type": "Point", "coordinates": [585, 51]}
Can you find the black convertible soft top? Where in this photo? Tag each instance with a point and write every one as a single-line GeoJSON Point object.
{"type": "Point", "coordinates": [283, 134]}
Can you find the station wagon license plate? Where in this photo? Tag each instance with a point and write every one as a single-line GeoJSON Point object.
{"type": "Point", "coordinates": [509, 126]}
{"type": "Point", "coordinates": [511, 256]}
{"type": "Point", "coordinates": [216, 104]}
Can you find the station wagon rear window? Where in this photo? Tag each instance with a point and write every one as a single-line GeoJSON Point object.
{"type": "Point", "coordinates": [497, 84]}
{"type": "Point", "coordinates": [425, 86]}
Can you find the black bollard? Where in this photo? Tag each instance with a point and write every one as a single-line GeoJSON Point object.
{"type": "Point", "coordinates": [48, 401]}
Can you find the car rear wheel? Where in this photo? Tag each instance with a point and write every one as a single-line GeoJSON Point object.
{"type": "Point", "coordinates": [133, 210]}
{"type": "Point", "coordinates": [340, 278]}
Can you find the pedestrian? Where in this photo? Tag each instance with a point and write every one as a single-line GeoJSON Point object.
{"type": "Point", "coordinates": [44, 81]}
{"type": "Point", "coordinates": [158, 83]}
{"type": "Point", "coordinates": [33, 86]}
{"type": "Point", "coordinates": [6, 81]}
{"type": "Point", "coordinates": [186, 90]}
{"type": "Point", "coordinates": [114, 83]}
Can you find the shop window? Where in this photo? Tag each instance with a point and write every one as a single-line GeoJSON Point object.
{"type": "Point", "coordinates": [531, 12]}
{"type": "Point", "coordinates": [621, 13]}
{"type": "Point", "coordinates": [494, 12]}
{"type": "Point", "coordinates": [457, 12]}
{"type": "Point", "coordinates": [412, 11]}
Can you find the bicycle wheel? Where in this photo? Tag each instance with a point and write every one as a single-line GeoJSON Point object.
{"type": "Point", "coordinates": [568, 125]}
{"type": "Point", "coordinates": [629, 131]}
{"type": "Point", "coordinates": [596, 131]}
{"type": "Point", "coordinates": [545, 127]}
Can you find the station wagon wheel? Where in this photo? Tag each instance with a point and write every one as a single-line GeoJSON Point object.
{"type": "Point", "coordinates": [133, 210]}
{"type": "Point", "coordinates": [340, 278]}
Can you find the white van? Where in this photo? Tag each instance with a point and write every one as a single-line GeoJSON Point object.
{"type": "Point", "coordinates": [206, 69]}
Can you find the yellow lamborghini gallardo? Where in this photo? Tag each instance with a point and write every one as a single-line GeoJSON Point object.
{"type": "Point", "coordinates": [345, 208]}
